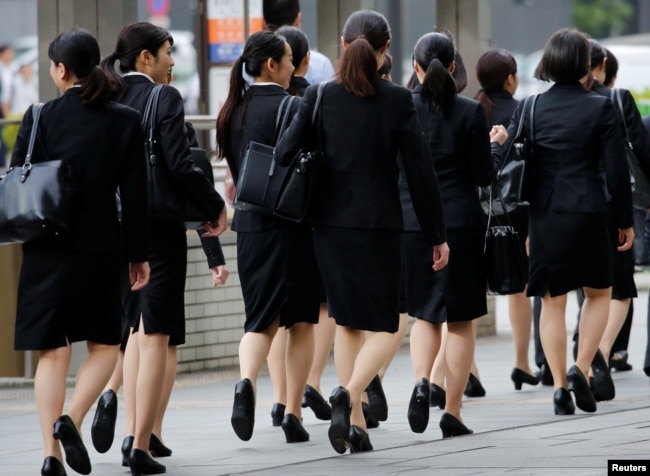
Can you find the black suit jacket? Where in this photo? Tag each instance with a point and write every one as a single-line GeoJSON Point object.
{"type": "Point", "coordinates": [104, 147]}
{"type": "Point", "coordinates": [577, 134]}
{"type": "Point", "coordinates": [461, 152]}
{"type": "Point", "coordinates": [503, 105]}
{"type": "Point", "coordinates": [362, 138]}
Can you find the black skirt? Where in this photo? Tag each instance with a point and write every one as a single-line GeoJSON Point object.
{"type": "Point", "coordinates": [455, 293]}
{"type": "Point", "coordinates": [361, 275]}
{"type": "Point", "coordinates": [279, 276]}
{"type": "Point", "coordinates": [67, 297]}
{"type": "Point", "coordinates": [623, 285]}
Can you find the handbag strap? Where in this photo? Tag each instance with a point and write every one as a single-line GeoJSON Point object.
{"type": "Point", "coordinates": [314, 114]}
{"type": "Point", "coordinates": [36, 115]}
{"type": "Point", "coordinates": [149, 122]}
{"type": "Point", "coordinates": [282, 117]}
{"type": "Point", "coordinates": [618, 103]}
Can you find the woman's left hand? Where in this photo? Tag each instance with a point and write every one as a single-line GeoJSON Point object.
{"type": "Point", "coordinates": [498, 134]}
{"type": "Point", "coordinates": [219, 275]}
{"type": "Point", "coordinates": [626, 238]}
{"type": "Point", "coordinates": [218, 226]}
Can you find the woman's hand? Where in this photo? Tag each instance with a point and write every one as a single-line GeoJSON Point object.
{"type": "Point", "coordinates": [626, 238]}
{"type": "Point", "coordinates": [138, 275]}
{"type": "Point", "coordinates": [218, 226]}
{"type": "Point", "coordinates": [219, 275]}
{"type": "Point", "coordinates": [440, 256]}
{"type": "Point", "coordinates": [498, 134]}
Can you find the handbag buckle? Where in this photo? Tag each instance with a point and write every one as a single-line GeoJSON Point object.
{"type": "Point", "coordinates": [27, 167]}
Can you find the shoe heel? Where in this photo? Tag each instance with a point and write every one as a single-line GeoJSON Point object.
{"type": "Point", "coordinates": [518, 385]}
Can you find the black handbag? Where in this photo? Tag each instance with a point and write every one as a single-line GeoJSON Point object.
{"type": "Point", "coordinates": [167, 201]}
{"type": "Point", "coordinates": [638, 178]}
{"type": "Point", "coordinates": [505, 262]}
{"type": "Point", "coordinates": [260, 177]}
{"type": "Point", "coordinates": [511, 182]}
{"type": "Point", "coordinates": [35, 198]}
{"type": "Point", "coordinates": [300, 186]}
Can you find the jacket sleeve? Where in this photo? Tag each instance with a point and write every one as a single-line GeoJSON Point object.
{"type": "Point", "coordinates": [175, 148]}
{"type": "Point", "coordinates": [481, 162]}
{"type": "Point", "coordinates": [213, 251]}
{"type": "Point", "coordinates": [298, 134]}
{"type": "Point", "coordinates": [421, 176]}
{"type": "Point", "coordinates": [638, 134]}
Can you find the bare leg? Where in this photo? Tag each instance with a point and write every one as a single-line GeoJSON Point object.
{"type": "Point", "coordinates": [49, 391]}
{"type": "Point", "coordinates": [520, 311]}
{"type": "Point", "coordinates": [459, 354]}
{"type": "Point", "coordinates": [552, 330]}
{"type": "Point", "coordinates": [398, 340]}
{"type": "Point", "coordinates": [595, 312]}
{"type": "Point", "coordinates": [439, 364]}
{"type": "Point", "coordinates": [617, 314]}
{"type": "Point", "coordinates": [323, 338]}
{"type": "Point", "coordinates": [425, 344]}
{"type": "Point", "coordinates": [474, 368]}
{"type": "Point", "coordinates": [299, 355]}
{"type": "Point", "coordinates": [253, 349]}
{"type": "Point", "coordinates": [130, 375]}
{"type": "Point", "coordinates": [277, 368]}
{"type": "Point", "coordinates": [168, 386]}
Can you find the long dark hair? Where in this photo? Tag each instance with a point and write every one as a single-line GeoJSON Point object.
{"type": "Point", "coordinates": [434, 53]}
{"type": "Point", "coordinates": [258, 49]}
{"type": "Point", "coordinates": [78, 50]}
{"type": "Point", "coordinates": [365, 32]}
{"type": "Point", "coordinates": [299, 48]}
{"type": "Point", "coordinates": [566, 57]}
{"type": "Point", "coordinates": [132, 40]}
{"type": "Point", "coordinates": [492, 70]}
{"type": "Point", "coordinates": [611, 68]}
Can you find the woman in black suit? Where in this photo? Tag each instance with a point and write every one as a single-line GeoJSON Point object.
{"type": "Point", "coordinates": [69, 286]}
{"type": "Point", "coordinates": [157, 314]}
{"type": "Point", "coordinates": [458, 136]}
{"type": "Point", "coordinates": [275, 258]}
{"type": "Point", "coordinates": [357, 219]}
{"type": "Point", "coordinates": [577, 153]}
{"type": "Point", "coordinates": [496, 71]}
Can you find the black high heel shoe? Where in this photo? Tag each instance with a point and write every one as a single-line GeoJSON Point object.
{"type": "Point", "coordinates": [127, 444]}
{"type": "Point", "coordinates": [418, 411]}
{"type": "Point", "coordinates": [359, 440]}
{"type": "Point", "coordinates": [75, 452]}
{"type": "Point", "coordinates": [545, 376]}
{"type": "Point", "coordinates": [102, 431]}
{"type": "Point", "coordinates": [585, 400]}
{"type": "Point", "coordinates": [520, 377]}
{"type": "Point", "coordinates": [378, 405]}
{"type": "Point", "coordinates": [603, 383]}
{"type": "Point", "coordinates": [339, 431]}
{"type": "Point", "coordinates": [474, 387]}
{"type": "Point", "coordinates": [141, 463]}
{"type": "Point", "coordinates": [451, 426]}
{"type": "Point", "coordinates": [243, 410]}
{"type": "Point", "coordinates": [294, 432]}
{"type": "Point", "coordinates": [277, 413]}
{"type": "Point", "coordinates": [438, 396]}
{"type": "Point", "coordinates": [371, 421]}
{"type": "Point", "coordinates": [52, 467]}
{"type": "Point", "coordinates": [314, 400]}
{"type": "Point", "coordinates": [562, 402]}
{"type": "Point", "coordinates": [157, 448]}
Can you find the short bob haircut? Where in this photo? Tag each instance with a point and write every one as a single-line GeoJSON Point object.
{"type": "Point", "coordinates": [566, 57]}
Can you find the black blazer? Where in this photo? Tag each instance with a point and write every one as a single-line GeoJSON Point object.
{"type": "Point", "coordinates": [254, 119]}
{"type": "Point", "coordinates": [362, 138]}
{"type": "Point", "coordinates": [104, 147]}
{"type": "Point", "coordinates": [461, 152]}
{"type": "Point", "coordinates": [503, 105]}
{"type": "Point", "coordinates": [577, 134]}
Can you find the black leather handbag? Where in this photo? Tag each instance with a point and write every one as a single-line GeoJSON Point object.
{"type": "Point", "coordinates": [167, 200]}
{"type": "Point", "coordinates": [513, 175]}
{"type": "Point", "coordinates": [300, 186]}
{"type": "Point", "coordinates": [35, 198]}
{"type": "Point", "coordinates": [505, 265]}
{"type": "Point", "coordinates": [638, 178]}
{"type": "Point", "coordinates": [260, 177]}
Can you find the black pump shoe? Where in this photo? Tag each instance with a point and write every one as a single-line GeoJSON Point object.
{"type": "Point", "coordinates": [562, 402]}
{"type": "Point", "coordinates": [243, 410]}
{"type": "Point", "coordinates": [314, 400]}
{"type": "Point", "coordinates": [339, 431]}
{"type": "Point", "coordinates": [102, 430]}
{"type": "Point", "coordinates": [52, 467]}
{"type": "Point", "coordinates": [545, 376]}
{"type": "Point", "coordinates": [603, 383]}
{"type": "Point", "coordinates": [438, 396]}
{"type": "Point", "coordinates": [520, 377]}
{"type": "Point", "coordinates": [451, 426]}
{"type": "Point", "coordinates": [474, 387]}
{"type": "Point", "coordinates": [277, 413]}
{"type": "Point", "coordinates": [157, 448]}
{"type": "Point", "coordinates": [294, 432]}
{"type": "Point", "coordinates": [585, 400]}
{"type": "Point", "coordinates": [418, 411]}
{"type": "Point", "coordinates": [378, 405]}
{"type": "Point", "coordinates": [359, 440]}
{"type": "Point", "coordinates": [371, 421]}
{"type": "Point", "coordinates": [127, 444]}
{"type": "Point", "coordinates": [75, 452]}
{"type": "Point", "coordinates": [141, 463]}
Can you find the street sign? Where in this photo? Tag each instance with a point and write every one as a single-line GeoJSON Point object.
{"type": "Point", "coordinates": [226, 28]}
{"type": "Point", "coordinates": [158, 8]}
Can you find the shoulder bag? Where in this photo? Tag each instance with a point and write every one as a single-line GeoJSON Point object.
{"type": "Point", "coordinates": [167, 201]}
{"type": "Point", "coordinates": [511, 180]}
{"type": "Point", "coordinates": [638, 179]}
{"type": "Point", "coordinates": [35, 198]}
{"type": "Point", "coordinates": [300, 186]}
{"type": "Point", "coordinates": [260, 177]}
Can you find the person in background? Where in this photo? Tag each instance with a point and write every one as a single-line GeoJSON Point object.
{"type": "Point", "coordinates": [7, 55]}
{"type": "Point", "coordinates": [646, 236]}
{"type": "Point", "coordinates": [358, 224]}
{"type": "Point", "coordinates": [69, 286]}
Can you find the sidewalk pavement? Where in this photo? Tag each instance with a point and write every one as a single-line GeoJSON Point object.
{"type": "Point", "coordinates": [516, 432]}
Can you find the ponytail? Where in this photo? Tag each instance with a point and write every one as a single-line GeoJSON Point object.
{"type": "Point", "coordinates": [484, 99]}
{"type": "Point", "coordinates": [236, 91]}
{"type": "Point", "coordinates": [434, 53]}
{"type": "Point", "coordinates": [108, 66]}
{"type": "Point", "coordinates": [358, 68]}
